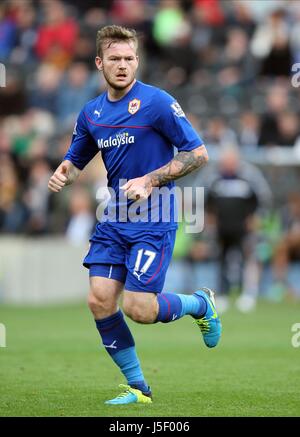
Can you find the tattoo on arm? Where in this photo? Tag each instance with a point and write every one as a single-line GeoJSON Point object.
{"type": "Point", "coordinates": [182, 164]}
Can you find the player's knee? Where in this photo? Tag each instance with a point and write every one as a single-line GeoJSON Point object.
{"type": "Point", "coordinates": [99, 305]}
{"type": "Point", "coordinates": [138, 309]}
{"type": "Point", "coordinates": [136, 314]}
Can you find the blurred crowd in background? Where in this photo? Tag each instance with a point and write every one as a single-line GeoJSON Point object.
{"type": "Point", "coordinates": [229, 63]}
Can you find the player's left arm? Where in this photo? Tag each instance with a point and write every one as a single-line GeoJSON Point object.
{"type": "Point", "coordinates": [182, 164]}
{"type": "Point", "coordinates": [170, 120]}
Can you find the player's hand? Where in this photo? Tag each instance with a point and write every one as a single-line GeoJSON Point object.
{"type": "Point", "coordinates": [59, 179]}
{"type": "Point", "coordinates": [138, 188]}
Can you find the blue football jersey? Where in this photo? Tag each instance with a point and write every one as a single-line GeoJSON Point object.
{"type": "Point", "coordinates": [135, 136]}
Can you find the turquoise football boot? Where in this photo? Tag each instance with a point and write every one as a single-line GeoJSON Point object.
{"type": "Point", "coordinates": [209, 324]}
{"type": "Point", "coordinates": [130, 396]}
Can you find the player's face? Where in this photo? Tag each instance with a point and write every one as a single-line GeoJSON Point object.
{"type": "Point", "coordinates": [119, 64]}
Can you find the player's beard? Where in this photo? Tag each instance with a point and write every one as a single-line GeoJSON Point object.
{"type": "Point", "coordinates": [114, 85]}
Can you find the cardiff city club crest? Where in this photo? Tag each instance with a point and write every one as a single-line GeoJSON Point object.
{"type": "Point", "coordinates": [134, 106]}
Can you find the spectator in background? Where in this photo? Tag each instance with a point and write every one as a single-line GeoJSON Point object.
{"type": "Point", "coordinates": [26, 132]}
{"type": "Point", "coordinates": [36, 197]}
{"type": "Point", "coordinates": [271, 45]}
{"type": "Point", "coordinates": [22, 135]}
{"type": "Point", "coordinates": [235, 190]}
{"type": "Point", "coordinates": [57, 37]}
{"type": "Point", "coordinates": [277, 101]}
{"type": "Point", "coordinates": [181, 58]}
{"type": "Point", "coordinates": [26, 34]}
{"type": "Point", "coordinates": [7, 32]}
{"type": "Point", "coordinates": [240, 15]}
{"type": "Point", "coordinates": [248, 131]}
{"type": "Point", "coordinates": [218, 133]}
{"type": "Point", "coordinates": [211, 11]}
{"type": "Point", "coordinates": [260, 9]}
{"type": "Point", "coordinates": [13, 213]}
{"type": "Point", "coordinates": [5, 143]}
{"type": "Point", "coordinates": [44, 88]}
{"type": "Point", "coordinates": [202, 34]}
{"type": "Point", "coordinates": [168, 21]}
{"type": "Point", "coordinates": [77, 88]}
{"type": "Point", "coordinates": [288, 128]}
{"type": "Point", "coordinates": [288, 248]}
{"type": "Point", "coordinates": [234, 63]}
{"type": "Point", "coordinates": [84, 49]}
{"type": "Point", "coordinates": [131, 13]}
{"type": "Point", "coordinates": [82, 219]}
{"type": "Point", "coordinates": [294, 21]}
{"type": "Point", "coordinates": [13, 99]}
{"type": "Point", "coordinates": [172, 32]}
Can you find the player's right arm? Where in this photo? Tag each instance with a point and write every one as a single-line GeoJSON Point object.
{"type": "Point", "coordinates": [65, 174]}
{"type": "Point", "coordinates": [83, 148]}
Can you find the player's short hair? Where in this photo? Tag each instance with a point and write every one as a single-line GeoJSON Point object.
{"type": "Point", "coordinates": [110, 34]}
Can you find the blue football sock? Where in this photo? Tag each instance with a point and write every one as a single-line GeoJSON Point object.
{"type": "Point", "coordinates": [174, 306]}
{"type": "Point", "coordinates": [194, 305]}
{"type": "Point", "coordinates": [119, 343]}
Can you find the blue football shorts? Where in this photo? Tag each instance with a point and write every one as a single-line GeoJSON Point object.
{"type": "Point", "coordinates": [138, 258]}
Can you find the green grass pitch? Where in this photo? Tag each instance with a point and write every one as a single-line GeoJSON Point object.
{"type": "Point", "coordinates": [53, 365]}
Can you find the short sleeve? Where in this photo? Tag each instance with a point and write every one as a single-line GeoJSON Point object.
{"type": "Point", "coordinates": [83, 147]}
{"type": "Point", "coordinates": [170, 120]}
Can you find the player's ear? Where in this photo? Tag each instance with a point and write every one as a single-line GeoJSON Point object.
{"type": "Point", "coordinates": [99, 64]}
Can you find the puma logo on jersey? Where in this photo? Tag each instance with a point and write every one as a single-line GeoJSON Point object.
{"type": "Point", "coordinates": [98, 113]}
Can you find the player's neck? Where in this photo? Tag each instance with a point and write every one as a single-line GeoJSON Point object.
{"type": "Point", "coordinates": [115, 94]}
